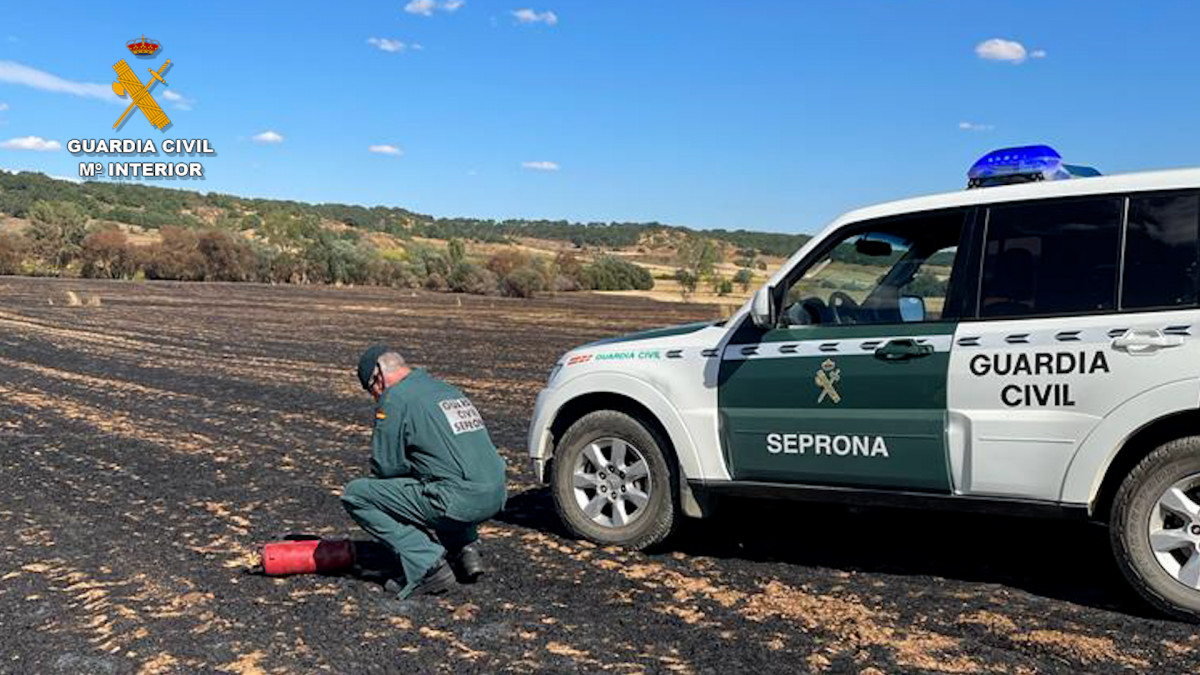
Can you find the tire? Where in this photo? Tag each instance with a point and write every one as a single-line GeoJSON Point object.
{"type": "Point", "coordinates": [596, 436]}
{"type": "Point", "coordinates": [1137, 511]}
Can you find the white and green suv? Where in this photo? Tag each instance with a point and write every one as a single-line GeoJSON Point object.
{"type": "Point", "coordinates": [1029, 348]}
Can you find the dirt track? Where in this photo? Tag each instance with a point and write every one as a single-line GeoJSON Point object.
{"type": "Point", "coordinates": [148, 444]}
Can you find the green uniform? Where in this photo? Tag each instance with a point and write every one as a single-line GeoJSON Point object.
{"type": "Point", "coordinates": [435, 474]}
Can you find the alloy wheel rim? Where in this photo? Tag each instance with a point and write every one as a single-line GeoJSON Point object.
{"type": "Point", "coordinates": [1174, 531]}
{"type": "Point", "coordinates": [611, 482]}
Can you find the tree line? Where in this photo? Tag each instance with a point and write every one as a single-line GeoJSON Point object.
{"type": "Point", "coordinates": [156, 207]}
{"type": "Point", "coordinates": [291, 248]}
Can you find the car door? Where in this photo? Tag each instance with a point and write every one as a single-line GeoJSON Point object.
{"type": "Point", "coordinates": [1083, 304]}
{"type": "Point", "coordinates": [849, 387]}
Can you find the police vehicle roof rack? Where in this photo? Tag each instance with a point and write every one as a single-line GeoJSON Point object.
{"type": "Point", "coordinates": [1024, 164]}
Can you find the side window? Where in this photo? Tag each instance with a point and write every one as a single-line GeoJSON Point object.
{"type": "Point", "coordinates": [1162, 251]}
{"type": "Point", "coordinates": [894, 271]}
{"type": "Point", "coordinates": [1051, 258]}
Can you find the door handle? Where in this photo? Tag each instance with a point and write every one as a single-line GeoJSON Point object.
{"type": "Point", "coordinates": [1142, 342]}
{"type": "Point", "coordinates": [903, 349]}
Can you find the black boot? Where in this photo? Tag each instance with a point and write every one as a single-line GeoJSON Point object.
{"type": "Point", "coordinates": [467, 563]}
{"type": "Point", "coordinates": [436, 581]}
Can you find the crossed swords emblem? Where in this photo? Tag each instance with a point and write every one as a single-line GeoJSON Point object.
{"type": "Point", "coordinates": [827, 376]}
{"type": "Point", "coordinates": [128, 82]}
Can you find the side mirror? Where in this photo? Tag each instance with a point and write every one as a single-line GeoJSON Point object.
{"type": "Point", "coordinates": [912, 308]}
{"type": "Point", "coordinates": [762, 311]}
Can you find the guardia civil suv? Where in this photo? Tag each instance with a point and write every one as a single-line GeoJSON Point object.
{"type": "Point", "coordinates": [1028, 345]}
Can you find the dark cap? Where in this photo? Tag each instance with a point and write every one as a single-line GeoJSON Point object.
{"type": "Point", "coordinates": [366, 363]}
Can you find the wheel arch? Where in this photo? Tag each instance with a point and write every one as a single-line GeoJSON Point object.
{"type": "Point", "coordinates": [1141, 443]}
{"type": "Point", "coordinates": [640, 401]}
{"type": "Point", "coordinates": [1125, 429]}
{"type": "Point", "coordinates": [574, 409]}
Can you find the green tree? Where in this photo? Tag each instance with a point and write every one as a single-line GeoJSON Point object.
{"type": "Point", "coordinates": [523, 282]}
{"type": "Point", "coordinates": [744, 278]}
{"type": "Point", "coordinates": [699, 255]}
{"type": "Point", "coordinates": [687, 283]}
{"type": "Point", "coordinates": [608, 273]}
{"type": "Point", "coordinates": [473, 279]}
{"type": "Point", "coordinates": [12, 253]}
{"type": "Point", "coordinates": [290, 230]}
{"type": "Point", "coordinates": [251, 221]}
{"type": "Point", "coordinates": [427, 261]}
{"type": "Point", "coordinates": [456, 250]}
{"type": "Point", "coordinates": [57, 230]}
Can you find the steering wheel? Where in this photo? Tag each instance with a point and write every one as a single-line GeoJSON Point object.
{"type": "Point", "coordinates": [816, 311]}
{"type": "Point", "coordinates": [843, 307]}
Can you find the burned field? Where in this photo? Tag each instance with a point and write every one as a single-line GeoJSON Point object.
{"type": "Point", "coordinates": [148, 445]}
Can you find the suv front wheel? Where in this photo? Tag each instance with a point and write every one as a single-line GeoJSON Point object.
{"type": "Point", "coordinates": [1155, 528]}
{"type": "Point", "coordinates": [613, 483]}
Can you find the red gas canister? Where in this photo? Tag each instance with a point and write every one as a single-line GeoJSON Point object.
{"type": "Point", "coordinates": [307, 556]}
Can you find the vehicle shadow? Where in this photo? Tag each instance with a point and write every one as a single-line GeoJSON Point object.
{"type": "Point", "coordinates": [1063, 560]}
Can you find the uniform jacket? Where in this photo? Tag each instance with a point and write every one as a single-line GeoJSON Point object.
{"type": "Point", "coordinates": [426, 429]}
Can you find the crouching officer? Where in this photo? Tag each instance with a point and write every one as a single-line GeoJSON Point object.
{"type": "Point", "coordinates": [435, 475]}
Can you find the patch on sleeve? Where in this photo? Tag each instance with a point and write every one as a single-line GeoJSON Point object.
{"type": "Point", "coordinates": [379, 415]}
{"type": "Point", "coordinates": [461, 415]}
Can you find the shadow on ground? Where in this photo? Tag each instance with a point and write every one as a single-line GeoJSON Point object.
{"type": "Point", "coordinates": [1062, 560]}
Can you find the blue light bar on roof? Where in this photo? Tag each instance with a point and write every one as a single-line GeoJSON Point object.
{"type": "Point", "coordinates": [1025, 164]}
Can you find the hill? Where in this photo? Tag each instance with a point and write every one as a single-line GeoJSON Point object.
{"type": "Point", "coordinates": [164, 233]}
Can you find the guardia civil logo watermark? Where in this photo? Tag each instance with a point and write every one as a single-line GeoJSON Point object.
{"type": "Point", "coordinates": [143, 104]}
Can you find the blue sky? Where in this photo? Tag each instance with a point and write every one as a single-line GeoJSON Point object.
{"type": "Point", "coordinates": [739, 114]}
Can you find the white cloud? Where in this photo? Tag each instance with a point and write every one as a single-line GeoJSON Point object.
{"type": "Point", "coordinates": [385, 150]}
{"type": "Point", "coordinates": [387, 44]}
{"type": "Point", "coordinates": [3, 106]}
{"type": "Point", "coordinates": [18, 73]}
{"type": "Point", "coordinates": [31, 143]}
{"type": "Point", "coordinates": [180, 101]}
{"type": "Point", "coordinates": [529, 16]}
{"type": "Point", "coordinates": [999, 49]}
{"type": "Point", "coordinates": [541, 166]}
{"type": "Point", "coordinates": [427, 7]}
{"type": "Point", "coordinates": [422, 7]}
{"type": "Point", "coordinates": [972, 126]}
{"type": "Point", "coordinates": [268, 136]}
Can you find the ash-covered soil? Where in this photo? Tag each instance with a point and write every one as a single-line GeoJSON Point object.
{"type": "Point", "coordinates": [149, 445]}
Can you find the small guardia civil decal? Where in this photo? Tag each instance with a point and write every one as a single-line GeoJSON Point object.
{"type": "Point", "coordinates": [827, 376]}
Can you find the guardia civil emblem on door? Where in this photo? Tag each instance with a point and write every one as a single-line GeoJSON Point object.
{"type": "Point", "coordinates": [827, 376]}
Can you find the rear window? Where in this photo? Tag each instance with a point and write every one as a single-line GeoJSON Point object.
{"type": "Point", "coordinates": [1051, 258]}
{"type": "Point", "coordinates": [1162, 251]}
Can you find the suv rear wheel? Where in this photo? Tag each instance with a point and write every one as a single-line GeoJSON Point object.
{"type": "Point", "coordinates": [1155, 527]}
{"type": "Point", "coordinates": [613, 483]}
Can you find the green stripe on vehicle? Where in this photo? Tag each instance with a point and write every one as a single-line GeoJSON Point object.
{"type": "Point", "coordinates": [843, 419]}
